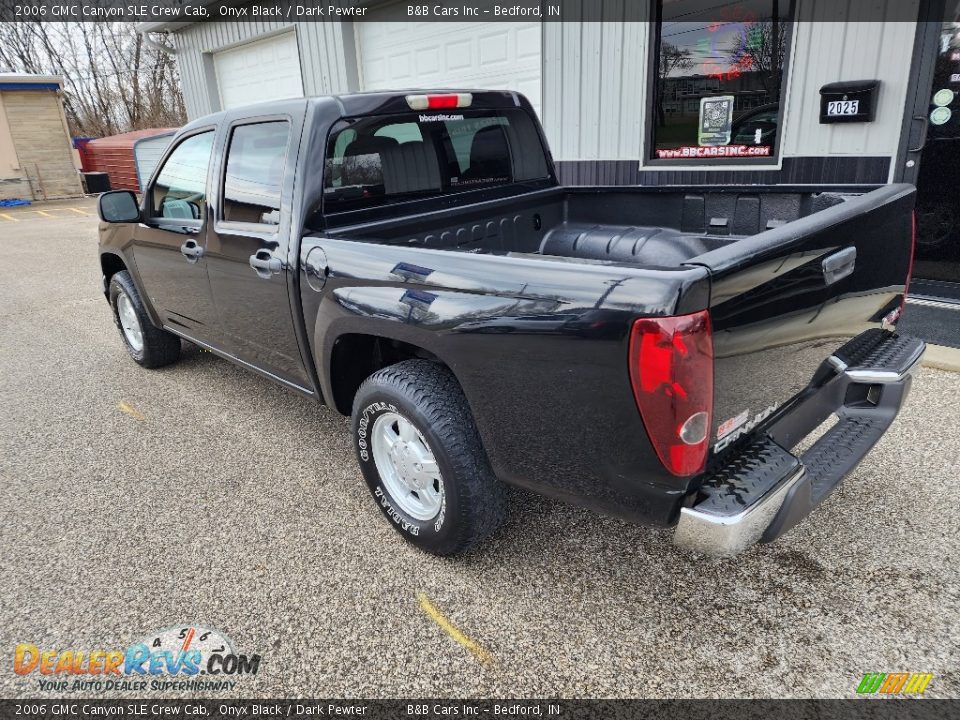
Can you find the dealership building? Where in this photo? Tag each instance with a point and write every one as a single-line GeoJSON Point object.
{"type": "Point", "coordinates": [842, 93]}
{"type": "Point", "coordinates": [37, 161]}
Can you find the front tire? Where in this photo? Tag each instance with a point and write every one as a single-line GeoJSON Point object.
{"type": "Point", "coordinates": [148, 345]}
{"type": "Point", "coordinates": [422, 459]}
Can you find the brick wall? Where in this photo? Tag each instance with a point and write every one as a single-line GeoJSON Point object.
{"type": "Point", "coordinates": [43, 148]}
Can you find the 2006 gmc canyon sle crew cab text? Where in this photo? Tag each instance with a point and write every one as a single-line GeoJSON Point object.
{"type": "Point", "coordinates": [411, 260]}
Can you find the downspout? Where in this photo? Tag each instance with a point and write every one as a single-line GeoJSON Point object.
{"type": "Point", "coordinates": [155, 45]}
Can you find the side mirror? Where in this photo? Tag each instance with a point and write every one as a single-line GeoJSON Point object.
{"type": "Point", "coordinates": [118, 206]}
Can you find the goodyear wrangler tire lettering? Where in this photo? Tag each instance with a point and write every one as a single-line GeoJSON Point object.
{"type": "Point", "coordinates": [438, 490]}
{"type": "Point", "coordinates": [364, 427]}
{"type": "Point", "coordinates": [394, 515]}
{"type": "Point", "coordinates": [443, 512]}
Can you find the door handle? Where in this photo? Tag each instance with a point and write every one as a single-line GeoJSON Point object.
{"type": "Point", "coordinates": [264, 262]}
{"type": "Point", "coordinates": [191, 251]}
{"type": "Point", "coordinates": [839, 265]}
{"type": "Point", "coordinates": [923, 136]}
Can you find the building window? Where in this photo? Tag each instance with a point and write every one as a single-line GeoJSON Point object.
{"type": "Point", "coordinates": [719, 76]}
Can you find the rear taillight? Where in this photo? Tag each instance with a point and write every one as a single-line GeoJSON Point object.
{"type": "Point", "coordinates": [439, 102]}
{"type": "Point", "coordinates": [671, 370]}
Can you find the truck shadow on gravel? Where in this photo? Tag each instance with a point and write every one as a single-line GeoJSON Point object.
{"type": "Point", "coordinates": [542, 535]}
{"type": "Point", "coordinates": [542, 532]}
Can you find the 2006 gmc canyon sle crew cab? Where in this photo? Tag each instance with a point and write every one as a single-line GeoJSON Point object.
{"type": "Point", "coordinates": [411, 260]}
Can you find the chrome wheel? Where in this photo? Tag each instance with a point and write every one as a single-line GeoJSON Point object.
{"type": "Point", "coordinates": [407, 466]}
{"type": "Point", "coordinates": [129, 322]}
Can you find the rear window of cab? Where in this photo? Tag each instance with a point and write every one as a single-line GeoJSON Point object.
{"type": "Point", "coordinates": [379, 160]}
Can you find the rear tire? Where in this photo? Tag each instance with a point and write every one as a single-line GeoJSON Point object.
{"type": "Point", "coordinates": [422, 458]}
{"type": "Point", "coordinates": [148, 345]}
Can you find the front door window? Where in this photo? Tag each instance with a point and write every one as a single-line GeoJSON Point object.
{"type": "Point", "coordinates": [180, 190]}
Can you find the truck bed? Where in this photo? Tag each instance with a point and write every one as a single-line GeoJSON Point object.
{"type": "Point", "coordinates": [637, 226]}
{"type": "Point", "coordinates": [792, 273]}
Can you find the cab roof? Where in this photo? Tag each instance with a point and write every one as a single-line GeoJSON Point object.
{"type": "Point", "coordinates": [361, 103]}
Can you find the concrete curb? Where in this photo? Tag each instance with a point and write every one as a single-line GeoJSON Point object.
{"type": "Point", "coordinates": [942, 358]}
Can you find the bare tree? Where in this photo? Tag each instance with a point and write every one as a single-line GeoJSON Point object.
{"type": "Point", "coordinates": [113, 81]}
{"type": "Point", "coordinates": [761, 49]}
{"type": "Point", "coordinates": [671, 58]}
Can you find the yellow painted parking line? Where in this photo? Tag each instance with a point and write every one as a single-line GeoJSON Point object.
{"type": "Point", "coordinates": [124, 407]}
{"type": "Point", "coordinates": [450, 629]}
{"type": "Point", "coordinates": [52, 213]}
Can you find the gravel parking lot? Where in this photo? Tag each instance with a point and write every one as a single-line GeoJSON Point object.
{"type": "Point", "coordinates": [137, 500]}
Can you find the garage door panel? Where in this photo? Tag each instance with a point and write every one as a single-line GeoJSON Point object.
{"type": "Point", "coordinates": [528, 42]}
{"type": "Point", "coordinates": [264, 70]}
{"type": "Point", "coordinates": [460, 55]}
{"type": "Point", "coordinates": [493, 48]}
{"type": "Point", "coordinates": [375, 72]}
{"type": "Point", "coordinates": [428, 61]}
{"type": "Point", "coordinates": [498, 56]}
{"type": "Point", "coordinates": [400, 65]}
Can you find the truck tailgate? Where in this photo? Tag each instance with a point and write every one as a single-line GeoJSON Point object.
{"type": "Point", "coordinates": [784, 300]}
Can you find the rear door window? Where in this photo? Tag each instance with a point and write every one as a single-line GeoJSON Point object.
{"type": "Point", "coordinates": [375, 161]}
{"type": "Point", "coordinates": [255, 163]}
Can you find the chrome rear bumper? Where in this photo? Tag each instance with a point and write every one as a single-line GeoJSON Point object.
{"type": "Point", "coordinates": [763, 490]}
{"type": "Point", "coordinates": [728, 535]}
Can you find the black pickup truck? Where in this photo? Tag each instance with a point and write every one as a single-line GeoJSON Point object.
{"type": "Point", "coordinates": [410, 259]}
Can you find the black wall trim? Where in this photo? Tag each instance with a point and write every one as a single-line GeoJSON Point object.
{"type": "Point", "coordinates": [796, 171]}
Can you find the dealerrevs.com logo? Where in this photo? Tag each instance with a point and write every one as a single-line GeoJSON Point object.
{"type": "Point", "coordinates": [186, 658]}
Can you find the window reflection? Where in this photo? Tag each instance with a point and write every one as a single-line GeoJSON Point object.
{"type": "Point", "coordinates": [718, 82]}
{"type": "Point", "coordinates": [255, 164]}
{"type": "Point", "coordinates": [181, 188]}
{"type": "Point", "coordinates": [938, 209]}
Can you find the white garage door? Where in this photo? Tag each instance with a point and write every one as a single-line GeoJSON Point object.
{"type": "Point", "coordinates": [497, 56]}
{"type": "Point", "coordinates": [263, 70]}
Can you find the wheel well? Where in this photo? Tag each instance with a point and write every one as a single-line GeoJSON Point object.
{"type": "Point", "coordinates": [111, 265]}
{"type": "Point", "coordinates": [356, 357]}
